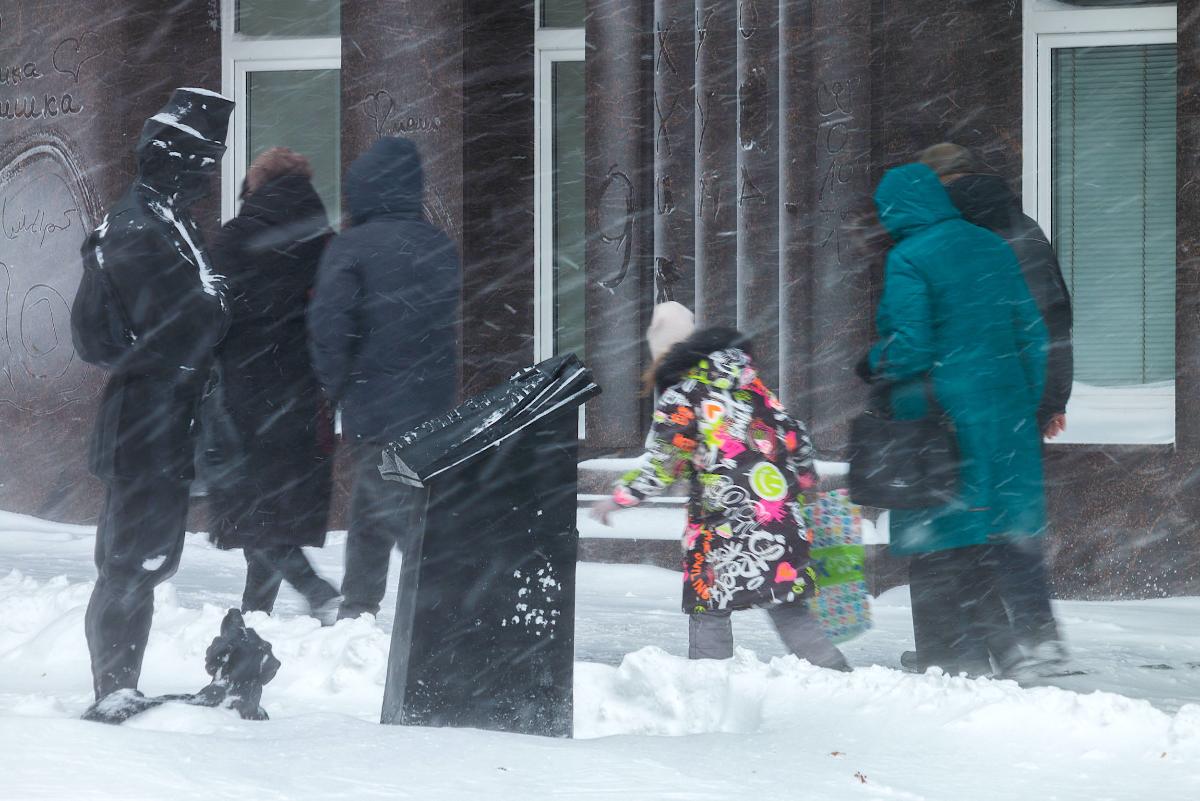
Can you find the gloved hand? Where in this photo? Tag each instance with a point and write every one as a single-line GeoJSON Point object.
{"type": "Point", "coordinates": [602, 511]}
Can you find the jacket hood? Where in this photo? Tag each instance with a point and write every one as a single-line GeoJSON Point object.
{"type": "Point", "coordinates": [984, 200]}
{"type": "Point", "coordinates": [282, 212]}
{"type": "Point", "coordinates": [386, 180]}
{"type": "Point", "coordinates": [911, 198]}
{"type": "Point", "coordinates": [686, 356]}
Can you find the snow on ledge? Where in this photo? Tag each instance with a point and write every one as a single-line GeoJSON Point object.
{"type": "Point", "coordinates": [196, 90]}
{"type": "Point", "coordinates": [625, 465]}
{"type": "Point", "coordinates": [1134, 415]}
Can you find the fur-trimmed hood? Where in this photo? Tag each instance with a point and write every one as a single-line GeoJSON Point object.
{"type": "Point", "coordinates": [684, 357]}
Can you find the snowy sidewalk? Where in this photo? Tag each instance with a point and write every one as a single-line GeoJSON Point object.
{"type": "Point", "coordinates": [758, 726]}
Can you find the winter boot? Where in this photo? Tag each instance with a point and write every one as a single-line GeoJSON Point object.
{"type": "Point", "coordinates": [326, 612]}
{"type": "Point", "coordinates": [119, 706]}
{"type": "Point", "coordinates": [240, 663]}
{"type": "Point", "coordinates": [1052, 658]}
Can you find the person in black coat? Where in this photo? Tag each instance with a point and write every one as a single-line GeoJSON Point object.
{"type": "Point", "coordinates": [151, 279]}
{"type": "Point", "coordinates": [383, 330]}
{"type": "Point", "coordinates": [272, 496]}
{"type": "Point", "coordinates": [987, 200]}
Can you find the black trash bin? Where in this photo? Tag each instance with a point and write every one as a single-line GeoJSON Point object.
{"type": "Point", "coordinates": [484, 633]}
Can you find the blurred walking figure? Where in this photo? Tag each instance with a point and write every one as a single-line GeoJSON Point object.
{"type": "Point", "coordinates": [748, 464]}
{"type": "Point", "coordinates": [383, 330]}
{"type": "Point", "coordinates": [271, 497]}
{"type": "Point", "coordinates": [957, 326]}
{"type": "Point", "coordinates": [150, 309]}
{"type": "Point", "coordinates": [987, 201]}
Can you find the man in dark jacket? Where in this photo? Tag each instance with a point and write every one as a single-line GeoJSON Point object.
{"type": "Point", "coordinates": [987, 201]}
{"type": "Point", "coordinates": [383, 329]}
{"type": "Point", "coordinates": [150, 277]}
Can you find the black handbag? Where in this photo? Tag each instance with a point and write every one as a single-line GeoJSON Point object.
{"type": "Point", "coordinates": [902, 464]}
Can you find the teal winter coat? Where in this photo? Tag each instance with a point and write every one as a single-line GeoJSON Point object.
{"type": "Point", "coordinates": [956, 308]}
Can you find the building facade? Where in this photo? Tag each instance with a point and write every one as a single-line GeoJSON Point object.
{"type": "Point", "coordinates": [593, 156]}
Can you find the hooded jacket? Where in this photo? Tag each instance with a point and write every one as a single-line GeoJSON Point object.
{"type": "Point", "coordinates": [987, 201]}
{"type": "Point", "coordinates": [383, 322]}
{"type": "Point", "coordinates": [269, 255]}
{"type": "Point", "coordinates": [956, 311]}
{"type": "Point", "coordinates": [748, 464]}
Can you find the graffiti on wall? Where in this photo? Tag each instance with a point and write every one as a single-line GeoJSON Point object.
{"type": "Point", "coordinates": [47, 207]}
{"type": "Point", "coordinates": [38, 88]}
{"type": "Point", "coordinates": [46, 210]}
{"type": "Point", "coordinates": [837, 163]}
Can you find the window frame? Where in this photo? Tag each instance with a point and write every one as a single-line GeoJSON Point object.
{"type": "Point", "coordinates": [551, 45]}
{"type": "Point", "coordinates": [1049, 26]}
{"type": "Point", "coordinates": [240, 55]}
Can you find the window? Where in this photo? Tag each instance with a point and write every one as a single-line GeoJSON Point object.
{"type": "Point", "coordinates": [560, 282]}
{"type": "Point", "coordinates": [1100, 175]}
{"type": "Point", "coordinates": [276, 18]}
{"type": "Point", "coordinates": [1113, 207]}
{"type": "Point", "coordinates": [282, 61]}
{"type": "Point", "coordinates": [562, 13]}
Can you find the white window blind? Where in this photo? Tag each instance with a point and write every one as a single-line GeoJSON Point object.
{"type": "Point", "coordinates": [1113, 212]}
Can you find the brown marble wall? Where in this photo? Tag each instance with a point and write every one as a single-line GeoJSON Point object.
{"type": "Point", "coordinates": [716, 162]}
{"type": "Point", "coordinates": [840, 119]}
{"type": "Point", "coordinates": [674, 150]}
{"type": "Point", "coordinates": [457, 78]}
{"type": "Point", "coordinates": [797, 114]}
{"type": "Point", "coordinates": [402, 75]}
{"type": "Point", "coordinates": [498, 200]}
{"type": "Point", "coordinates": [946, 70]}
{"type": "Point", "coordinates": [77, 89]}
{"type": "Point", "coordinates": [758, 182]}
{"type": "Point", "coordinates": [618, 193]}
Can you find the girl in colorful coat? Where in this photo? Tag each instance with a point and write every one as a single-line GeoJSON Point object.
{"type": "Point", "coordinates": [748, 465]}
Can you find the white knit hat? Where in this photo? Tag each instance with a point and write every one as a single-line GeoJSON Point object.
{"type": "Point", "coordinates": [670, 324]}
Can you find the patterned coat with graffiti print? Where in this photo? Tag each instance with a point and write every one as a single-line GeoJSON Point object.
{"type": "Point", "coordinates": [748, 464]}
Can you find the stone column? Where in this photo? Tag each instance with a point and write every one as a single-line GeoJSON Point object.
{"type": "Point", "coordinates": [674, 150]}
{"type": "Point", "coordinates": [1187, 233]}
{"type": "Point", "coordinates": [841, 304]}
{"type": "Point", "coordinates": [618, 179]}
{"type": "Point", "coordinates": [716, 162]}
{"type": "Point", "coordinates": [796, 115]}
{"type": "Point", "coordinates": [402, 75]}
{"type": "Point", "coordinates": [758, 181]}
{"type": "Point", "coordinates": [498, 201]}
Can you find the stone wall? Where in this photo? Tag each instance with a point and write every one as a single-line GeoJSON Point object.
{"type": "Point", "coordinates": [76, 88]}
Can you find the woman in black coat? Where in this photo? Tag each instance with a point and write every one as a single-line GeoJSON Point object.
{"type": "Point", "coordinates": [274, 496]}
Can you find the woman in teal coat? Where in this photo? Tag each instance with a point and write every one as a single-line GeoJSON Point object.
{"type": "Point", "coordinates": [956, 311]}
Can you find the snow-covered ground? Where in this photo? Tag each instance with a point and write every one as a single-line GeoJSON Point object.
{"type": "Point", "coordinates": [650, 724]}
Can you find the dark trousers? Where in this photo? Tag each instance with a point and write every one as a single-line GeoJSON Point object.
{"type": "Point", "coordinates": [1024, 586]}
{"type": "Point", "coordinates": [138, 545]}
{"type": "Point", "coordinates": [268, 567]}
{"type": "Point", "coordinates": [381, 514]}
{"type": "Point", "coordinates": [710, 635]}
{"type": "Point", "coordinates": [958, 616]}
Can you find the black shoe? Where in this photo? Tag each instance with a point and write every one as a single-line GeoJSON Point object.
{"type": "Point", "coordinates": [119, 706]}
